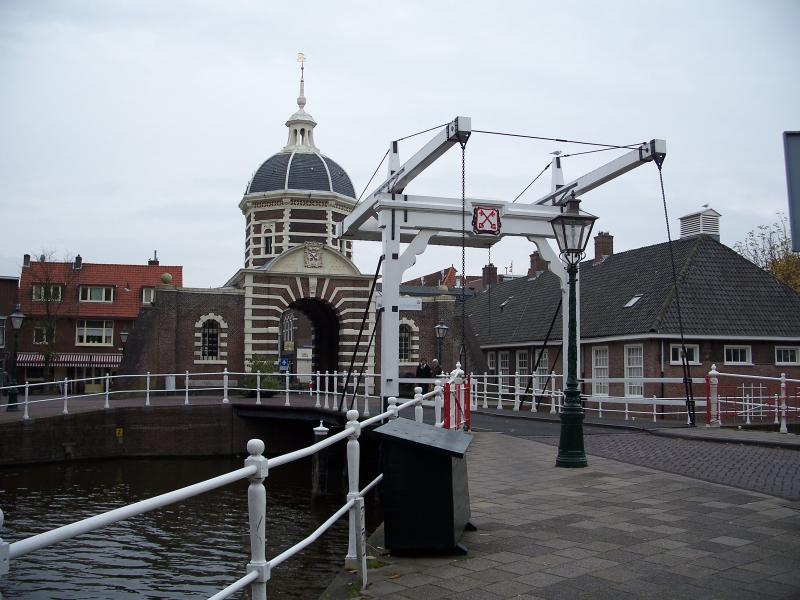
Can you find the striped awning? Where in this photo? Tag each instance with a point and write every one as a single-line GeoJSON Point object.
{"type": "Point", "coordinates": [69, 359]}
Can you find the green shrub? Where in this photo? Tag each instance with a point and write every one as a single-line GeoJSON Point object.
{"type": "Point", "coordinates": [269, 381]}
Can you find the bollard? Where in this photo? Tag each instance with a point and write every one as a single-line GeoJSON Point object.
{"type": "Point", "coordinates": [257, 517]}
{"type": "Point", "coordinates": [186, 390]}
{"type": "Point", "coordinates": [418, 405]}
{"type": "Point", "coordinates": [25, 415]}
{"type": "Point", "coordinates": [258, 387]}
{"type": "Point", "coordinates": [106, 405]}
{"type": "Point", "coordinates": [225, 386]}
{"type": "Point", "coordinates": [319, 464]}
{"type": "Point", "coordinates": [317, 405]}
{"type": "Point", "coordinates": [783, 428]}
{"type": "Point", "coordinates": [352, 561]}
{"type": "Point", "coordinates": [712, 413]}
{"type": "Point", "coordinates": [66, 396]}
{"type": "Point", "coordinates": [147, 390]}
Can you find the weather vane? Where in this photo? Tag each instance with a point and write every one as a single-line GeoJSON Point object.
{"type": "Point", "coordinates": [301, 58]}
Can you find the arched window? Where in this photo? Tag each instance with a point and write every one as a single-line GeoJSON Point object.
{"type": "Point", "coordinates": [209, 340]}
{"type": "Point", "coordinates": [405, 343]}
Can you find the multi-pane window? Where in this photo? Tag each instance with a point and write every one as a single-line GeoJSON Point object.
{"type": "Point", "coordinates": [405, 343]}
{"type": "Point", "coordinates": [96, 294]}
{"type": "Point", "coordinates": [490, 362]}
{"type": "Point", "coordinates": [267, 241]}
{"type": "Point", "coordinates": [46, 291]}
{"type": "Point", "coordinates": [522, 362]}
{"type": "Point", "coordinates": [209, 340]}
{"type": "Point", "coordinates": [634, 370]}
{"type": "Point", "coordinates": [785, 355]}
{"type": "Point", "coordinates": [94, 333]}
{"type": "Point", "coordinates": [737, 355]}
{"type": "Point", "coordinates": [600, 371]}
{"type": "Point", "coordinates": [502, 359]}
{"type": "Point", "coordinates": [692, 354]}
{"type": "Point", "coordinates": [148, 295]}
{"type": "Point", "coordinates": [39, 335]}
{"type": "Point", "coordinates": [542, 370]}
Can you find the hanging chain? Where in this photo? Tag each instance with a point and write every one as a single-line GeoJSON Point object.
{"type": "Point", "coordinates": [463, 351]}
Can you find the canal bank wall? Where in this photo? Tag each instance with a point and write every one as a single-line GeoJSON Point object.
{"type": "Point", "coordinates": [212, 430]}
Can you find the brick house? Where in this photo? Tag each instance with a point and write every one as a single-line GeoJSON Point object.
{"type": "Point", "coordinates": [76, 313]}
{"type": "Point", "coordinates": [734, 314]}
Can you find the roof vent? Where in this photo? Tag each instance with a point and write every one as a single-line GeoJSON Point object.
{"type": "Point", "coordinates": [78, 263]}
{"type": "Point", "coordinates": [704, 222]}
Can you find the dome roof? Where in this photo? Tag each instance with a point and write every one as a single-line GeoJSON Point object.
{"type": "Point", "coordinates": [300, 171]}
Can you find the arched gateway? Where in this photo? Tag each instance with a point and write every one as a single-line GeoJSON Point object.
{"type": "Point", "coordinates": [294, 264]}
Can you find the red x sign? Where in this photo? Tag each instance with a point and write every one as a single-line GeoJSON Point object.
{"type": "Point", "coordinates": [486, 220]}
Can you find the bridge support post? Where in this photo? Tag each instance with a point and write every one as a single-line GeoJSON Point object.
{"type": "Point", "coordinates": [352, 561]}
{"type": "Point", "coordinates": [257, 516]}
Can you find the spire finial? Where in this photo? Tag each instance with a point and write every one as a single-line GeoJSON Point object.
{"type": "Point", "coordinates": [301, 99]}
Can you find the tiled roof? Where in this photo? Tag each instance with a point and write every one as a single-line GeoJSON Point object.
{"type": "Point", "coordinates": [721, 293]}
{"type": "Point", "coordinates": [127, 281]}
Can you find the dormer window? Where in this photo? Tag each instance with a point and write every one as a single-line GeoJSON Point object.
{"type": "Point", "coordinates": [96, 294]}
{"type": "Point", "coordinates": [148, 295]}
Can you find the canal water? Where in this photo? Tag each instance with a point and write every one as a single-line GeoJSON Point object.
{"type": "Point", "coordinates": [191, 549]}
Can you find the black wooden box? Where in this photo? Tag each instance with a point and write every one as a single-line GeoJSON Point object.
{"type": "Point", "coordinates": [425, 489]}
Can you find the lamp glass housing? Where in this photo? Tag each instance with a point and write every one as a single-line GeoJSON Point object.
{"type": "Point", "coordinates": [572, 229]}
{"type": "Point", "coordinates": [441, 330]}
{"type": "Point", "coordinates": [16, 318]}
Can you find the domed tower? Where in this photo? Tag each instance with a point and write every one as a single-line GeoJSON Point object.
{"type": "Point", "coordinates": [296, 196]}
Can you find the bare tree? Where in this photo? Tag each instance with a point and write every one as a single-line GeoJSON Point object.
{"type": "Point", "coordinates": [770, 247]}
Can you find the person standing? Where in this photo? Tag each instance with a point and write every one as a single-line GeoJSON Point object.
{"type": "Point", "coordinates": [424, 372]}
{"type": "Point", "coordinates": [436, 368]}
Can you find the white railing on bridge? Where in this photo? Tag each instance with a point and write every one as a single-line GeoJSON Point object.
{"type": "Point", "coordinates": [256, 470]}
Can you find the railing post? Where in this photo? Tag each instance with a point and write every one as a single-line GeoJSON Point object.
{"type": "Point", "coordinates": [485, 389]}
{"type": "Point", "coordinates": [317, 405]}
{"type": "Point", "coordinates": [186, 390]}
{"type": "Point", "coordinates": [336, 389]}
{"type": "Point", "coordinates": [5, 551]}
{"type": "Point", "coordinates": [600, 406]}
{"type": "Point", "coordinates": [437, 404]}
{"type": "Point", "coordinates": [552, 392]}
{"type": "Point", "coordinates": [516, 391]}
{"type": "Point", "coordinates": [66, 395]}
{"type": "Point", "coordinates": [147, 390]}
{"type": "Point", "coordinates": [106, 404]}
{"type": "Point", "coordinates": [777, 411]}
{"type": "Point", "coordinates": [499, 392]}
{"type": "Point", "coordinates": [258, 387]}
{"type": "Point", "coordinates": [257, 516]}
{"type": "Point", "coordinates": [25, 417]}
{"type": "Point", "coordinates": [626, 411]}
{"type": "Point", "coordinates": [366, 398]}
{"type": "Point", "coordinates": [783, 428]}
{"type": "Point", "coordinates": [654, 408]}
{"type": "Point", "coordinates": [353, 558]}
{"type": "Point", "coordinates": [286, 388]}
{"type": "Point", "coordinates": [418, 404]}
{"type": "Point", "coordinates": [712, 401]}
{"type": "Point", "coordinates": [225, 386]}
{"type": "Point", "coordinates": [748, 407]}
{"type": "Point", "coordinates": [327, 381]}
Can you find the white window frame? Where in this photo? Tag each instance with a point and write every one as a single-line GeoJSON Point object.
{"type": "Point", "coordinates": [748, 351]}
{"type": "Point", "coordinates": [267, 241]}
{"type": "Point", "coordinates": [795, 349]}
{"type": "Point", "coordinates": [404, 331]}
{"type": "Point", "coordinates": [503, 356]}
{"type": "Point", "coordinates": [632, 389]}
{"type": "Point", "coordinates": [600, 371]}
{"type": "Point", "coordinates": [523, 357]}
{"type": "Point", "coordinates": [491, 361]}
{"type": "Point", "coordinates": [543, 372]}
{"type": "Point", "coordinates": [204, 328]}
{"type": "Point", "coordinates": [148, 291]}
{"type": "Point", "coordinates": [690, 348]}
{"type": "Point", "coordinates": [107, 327]}
{"type": "Point", "coordinates": [42, 331]}
{"type": "Point", "coordinates": [38, 289]}
{"type": "Point", "coordinates": [85, 294]}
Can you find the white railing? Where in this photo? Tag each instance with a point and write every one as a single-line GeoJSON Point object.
{"type": "Point", "coordinates": [256, 470]}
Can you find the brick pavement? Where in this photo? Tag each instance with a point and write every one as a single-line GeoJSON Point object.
{"type": "Point", "coordinates": [613, 530]}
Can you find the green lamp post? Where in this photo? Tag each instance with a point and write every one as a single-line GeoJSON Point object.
{"type": "Point", "coordinates": [572, 229]}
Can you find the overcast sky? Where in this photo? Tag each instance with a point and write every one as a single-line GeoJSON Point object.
{"type": "Point", "coordinates": [132, 126]}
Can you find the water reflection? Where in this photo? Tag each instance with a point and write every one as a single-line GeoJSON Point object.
{"type": "Point", "coordinates": [191, 549]}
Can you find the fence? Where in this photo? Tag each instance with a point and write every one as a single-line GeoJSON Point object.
{"type": "Point", "coordinates": [256, 470]}
{"type": "Point", "coordinates": [737, 399]}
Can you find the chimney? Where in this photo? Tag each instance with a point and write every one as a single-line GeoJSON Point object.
{"type": "Point", "coordinates": [78, 263]}
{"type": "Point", "coordinates": [489, 275]}
{"type": "Point", "coordinates": [538, 264]}
{"type": "Point", "coordinates": [705, 222]}
{"type": "Point", "coordinates": [26, 261]}
{"type": "Point", "coordinates": [603, 246]}
{"type": "Point", "coordinates": [153, 262]}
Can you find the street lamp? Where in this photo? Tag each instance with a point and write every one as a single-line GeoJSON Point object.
{"type": "Point", "coordinates": [441, 332]}
{"type": "Point", "coordinates": [123, 337]}
{"type": "Point", "coordinates": [572, 229]}
{"type": "Point", "coordinates": [16, 322]}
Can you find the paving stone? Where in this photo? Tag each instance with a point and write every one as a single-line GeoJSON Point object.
{"type": "Point", "coordinates": [536, 580]}
{"type": "Point", "coordinates": [507, 588]}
